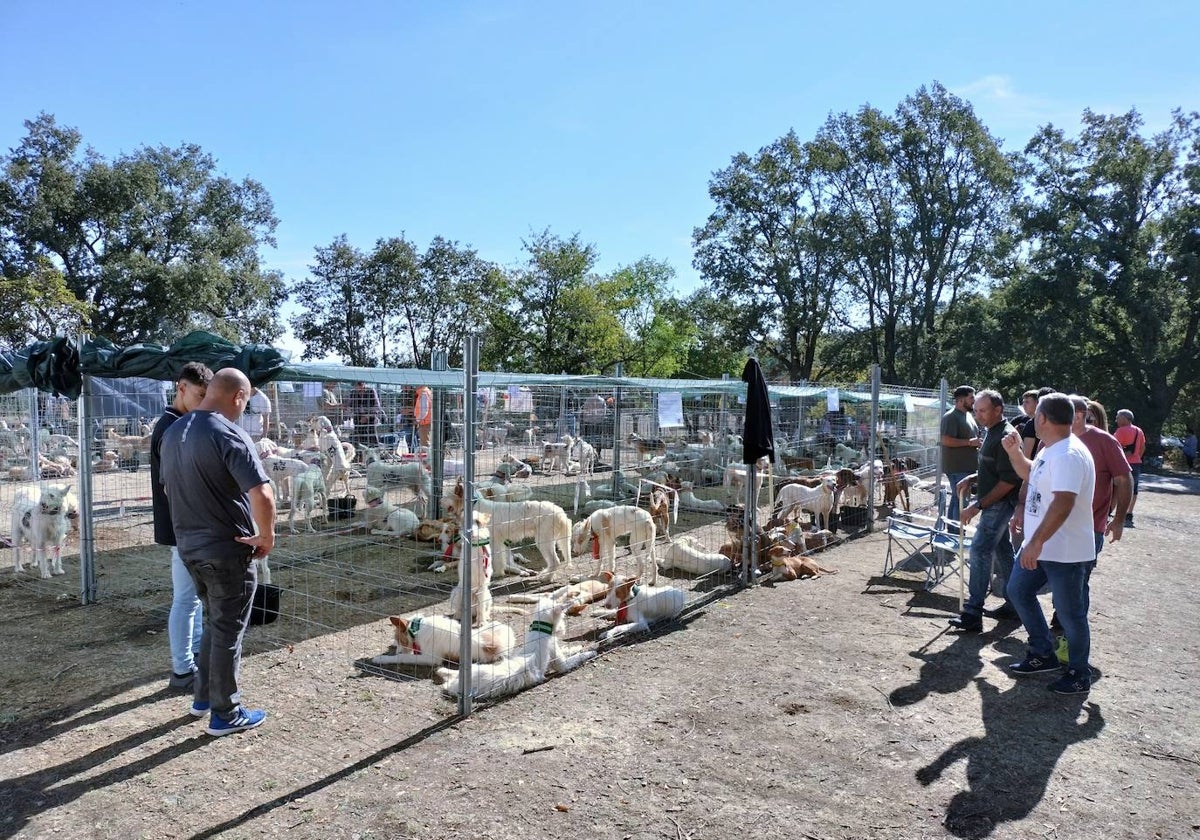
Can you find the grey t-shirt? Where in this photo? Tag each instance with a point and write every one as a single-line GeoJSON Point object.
{"type": "Point", "coordinates": [208, 466]}
{"type": "Point", "coordinates": [959, 459]}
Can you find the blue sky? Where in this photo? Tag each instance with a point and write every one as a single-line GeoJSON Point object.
{"type": "Point", "coordinates": [485, 121]}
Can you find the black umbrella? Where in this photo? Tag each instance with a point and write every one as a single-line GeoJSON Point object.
{"type": "Point", "coordinates": [758, 441]}
{"type": "Point", "coordinates": [758, 438]}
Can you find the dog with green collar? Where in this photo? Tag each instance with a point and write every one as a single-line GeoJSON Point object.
{"type": "Point", "coordinates": [543, 653]}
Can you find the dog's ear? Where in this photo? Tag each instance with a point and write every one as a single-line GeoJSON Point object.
{"type": "Point", "coordinates": [606, 576]}
{"type": "Point", "coordinates": [397, 621]}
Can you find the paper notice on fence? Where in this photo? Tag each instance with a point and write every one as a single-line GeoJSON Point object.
{"type": "Point", "coordinates": [831, 399]}
{"type": "Point", "coordinates": [670, 409]}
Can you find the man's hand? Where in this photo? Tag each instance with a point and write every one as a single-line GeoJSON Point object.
{"type": "Point", "coordinates": [1115, 529]}
{"type": "Point", "coordinates": [261, 544]}
{"type": "Point", "coordinates": [1012, 443]}
{"type": "Point", "coordinates": [1017, 523]}
{"type": "Point", "coordinates": [968, 513]}
{"type": "Point", "coordinates": [1030, 552]}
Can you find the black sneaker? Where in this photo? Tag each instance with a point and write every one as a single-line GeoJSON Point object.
{"type": "Point", "coordinates": [182, 682]}
{"type": "Point", "coordinates": [1129, 520]}
{"type": "Point", "coordinates": [967, 623]}
{"type": "Point", "coordinates": [1004, 612]}
{"type": "Point", "coordinates": [1072, 682]}
{"type": "Point", "coordinates": [1034, 665]}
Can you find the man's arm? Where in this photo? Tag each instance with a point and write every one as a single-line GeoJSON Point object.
{"type": "Point", "coordinates": [1056, 515]}
{"type": "Point", "coordinates": [1123, 493]}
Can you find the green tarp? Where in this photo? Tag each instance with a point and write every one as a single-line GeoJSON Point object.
{"type": "Point", "coordinates": [59, 366]}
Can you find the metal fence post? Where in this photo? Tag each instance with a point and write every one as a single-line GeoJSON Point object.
{"type": "Point", "coordinates": [872, 448]}
{"type": "Point", "coordinates": [467, 609]}
{"type": "Point", "coordinates": [437, 437]}
{"type": "Point", "coordinates": [616, 470]}
{"type": "Point", "coordinates": [87, 532]}
{"type": "Point", "coordinates": [943, 395]}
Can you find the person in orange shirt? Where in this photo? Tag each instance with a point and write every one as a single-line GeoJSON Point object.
{"type": "Point", "coordinates": [423, 414]}
{"type": "Point", "coordinates": [1133, 441]}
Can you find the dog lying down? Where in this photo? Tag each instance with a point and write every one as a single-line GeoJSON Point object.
{"type": "Point", "coordinates": [637, 607]}
{"type": "Point", "coordinates": [542, 654]}
{"type": "Point", "coordinates": [432, 640]}
{"type": "Point", "coordinates": [580, 594]}
{"type": "Point", "coordinates": [795, 567]}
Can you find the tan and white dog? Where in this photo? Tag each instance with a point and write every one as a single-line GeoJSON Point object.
{"type": "Point", "coordinates": [39, 517]}
{"type": "Point", "coordinates": [514, 522]}
{"type": "Point", "coordinates": [602, 528]}
{"type": "Point", "coordinates": [433, 639]}
{"type": "Point", "coordinates": [542, 653]}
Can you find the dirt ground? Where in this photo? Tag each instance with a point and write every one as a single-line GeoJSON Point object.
{"type": "Point", "coordinates": [829, 708]}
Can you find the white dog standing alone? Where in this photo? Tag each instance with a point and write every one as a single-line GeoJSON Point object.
{"type": "Point", "coordinates": [39, 517]}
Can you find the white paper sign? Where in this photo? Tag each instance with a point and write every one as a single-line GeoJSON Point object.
{"type": "Point", "coordinates": [670, 409]}
{"type": "Point", "coordinates": [831, 399]}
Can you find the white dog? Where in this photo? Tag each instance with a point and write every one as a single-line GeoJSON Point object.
{"type": "Point", "coordinates": [819, 501]}
{"type": "Point", "coordinates": [39, 517]}
{"type": "Point", "coordinates": [430, 640]}
{"type": "Point", "coordinates": [689, 501]}
{"type": "Point", "coordinates": [603, 527]}
{"type": "Point", "coordinates": [585, 454]}
{"type": "Point", "coordinates": [284, 472]}
{"type": "Point", "coordinates": [308, 497]}
{"type": "Point", "coordinates": [542, 653]}
{"type": "Point", "coordinates": [338, 457]}
{"type": "Point", "coordinates": [481, 577]}
{"type": "Point", "coordinates": [513, 522]}
{"type": "Point", "coordinates": [637, 607]}
{"type": "Point", "coordinates": [411, 474]}
{"type": "Point", "coordinates": [384, 518]}
{"type": "Point", "coordinates": [556, 455]}
{"type": "Point", "coordinates": [687, 556]}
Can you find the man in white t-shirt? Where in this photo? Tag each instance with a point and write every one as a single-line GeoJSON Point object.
{"type": "Point", "coordinates": [257, 414]}
{"type": "Point", "coordinates": [1059, 546]}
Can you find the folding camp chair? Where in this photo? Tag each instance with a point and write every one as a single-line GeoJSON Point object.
{"type": "Point", "coordinates": [929, 545]}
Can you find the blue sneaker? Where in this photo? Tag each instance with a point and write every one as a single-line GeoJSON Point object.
{"type": "Point", "coordinates": [199, 709]}
{"type": "Point", "coordinates": [243, 719]}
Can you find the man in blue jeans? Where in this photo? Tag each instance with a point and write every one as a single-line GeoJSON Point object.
{"type": "Point", "coordinates": [223, 513]}
{"type": "Point", "coordinates": [996, 491]}
{"type": "Point", "coordinates": [1059, 547]}
{"type": "Point", "coordinates": [185, 622]}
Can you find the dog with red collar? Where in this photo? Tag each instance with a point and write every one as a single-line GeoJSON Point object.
{"type": "Point", "coordinates": [637, 607]}
{"type": "Point", "coordinates": [431, 640]}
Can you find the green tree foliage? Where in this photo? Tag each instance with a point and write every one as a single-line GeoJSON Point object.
{"type": "Point", "coordinates": [770, 247]}
{"type": "Point", "coordinates": [37, 305]}
{"type": "Point", "coordinates": [394, 306]}
{"type": "Point", "coordinates": [1113, 290]}
{"type": "Point", "coordinates": [342, 306]}
{"type": "Point", "coordinates": [922, 204]}
{"type": "Point", "coordinates": [551, 306]}
{"type": "Point", "coordinates": [153, 243]}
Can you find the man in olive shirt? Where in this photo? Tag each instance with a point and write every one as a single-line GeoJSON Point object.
{"type": "Point", "coordinates": [997, 488]}
{"type": "Point", "coordinates": [960, 442]}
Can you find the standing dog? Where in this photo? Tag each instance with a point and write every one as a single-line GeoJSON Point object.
{"type": "Point", "coordinates": [481, 577]}
{"type": "Point", "coordinates": [513, 522]}
{"type": "Point", "coordinates": [309, 496]}
{"type": "Point", "coordinates": [338, 456]}
{"type": "Point", "coordinates": [542, 653]}
{"type": "Point", "coordinates": [39, 517]}
{"type": "Point", "coordinates": [430, 640]}
{"type": "Point", "coordinates": [604, 526]}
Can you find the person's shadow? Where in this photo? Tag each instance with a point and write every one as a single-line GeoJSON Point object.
{"type": "Point", "coordinates": [1026, 731]}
